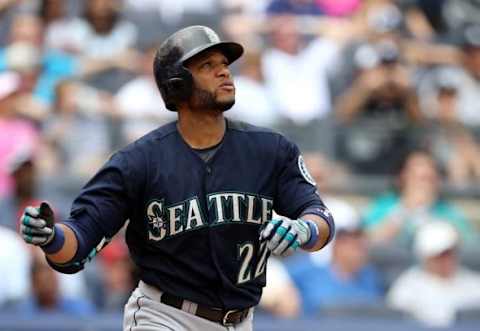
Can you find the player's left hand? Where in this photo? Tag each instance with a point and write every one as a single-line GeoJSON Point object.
{"type": "Point", "coordinates": [284, 236]}
{"type": "Point", "coordinates": [37, 225]}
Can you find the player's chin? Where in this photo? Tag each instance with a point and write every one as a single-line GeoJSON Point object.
{"type": "Point", "coordinates": [225, 103]}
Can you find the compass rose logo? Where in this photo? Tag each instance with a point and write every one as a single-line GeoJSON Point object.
{"type": "Point", "coordinates": [155, 217]}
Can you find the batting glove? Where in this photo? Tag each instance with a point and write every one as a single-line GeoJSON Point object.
{"type": "Point", "coordinates": [37, 225]}
{"type": "Point", "coordinates": [284, 236]}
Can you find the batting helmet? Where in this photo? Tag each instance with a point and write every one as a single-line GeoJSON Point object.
{"type": "Point", "coordinates": [174, 80]}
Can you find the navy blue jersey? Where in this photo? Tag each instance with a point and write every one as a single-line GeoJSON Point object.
{"type": "Point", "coordinates": [194, 226]}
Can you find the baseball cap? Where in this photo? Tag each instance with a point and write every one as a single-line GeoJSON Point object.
{"type": "Point", "coordinates": [346, 217]}
{"type": "Point", "coordinates": [20, 158]}
{"type": "Point", "coordinates": [347, 221]}
{"type": "Point", "coordinates": [447, 78]}
{"type": "Point", "coordinates": [434, 238]}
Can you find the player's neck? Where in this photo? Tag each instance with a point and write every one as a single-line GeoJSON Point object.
{"type": "Point", "coordinates": [201, 130]}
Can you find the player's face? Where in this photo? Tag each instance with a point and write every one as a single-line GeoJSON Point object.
{"type": "Point", "coordinates": [213, 84]}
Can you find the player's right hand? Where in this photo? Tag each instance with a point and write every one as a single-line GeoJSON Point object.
{"type": "Point", "coordinates": [37, 225]}
{"type": "Point", "coordinates": [284, 236]}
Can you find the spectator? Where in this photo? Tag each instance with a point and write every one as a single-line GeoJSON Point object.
{"type": "Point", "coordinates": [377, 22]}
{"type": "Point", "coordinates": [14, 268]}
{"type": "Point", "coordinates": [439, 93]}
{"type": "Point", "coordinates": [385, 89]}
{"type": "Point", "coordinates": [457, 14]}
{"type": "Point", "coordinates": [253, 103]}
{"type": "Point", "coordinates": [24, 54]}
{"type": "Point", "coordinates": [347, 280]}
{"type": "Point", "coordinates": [23, 167]}
{"type": "Point", "coordinates": [450, 141]}
{"type": "Point", "coordinates": [466, 78]}
{"type": "Point", "coordinates": [102, 33]}
{"type": "Point", "coordinates": [16, 134]}
{"type": "Point", "coordinates": [7, 11]}
{"type": "Point", "coordinates": [41, 68]}
{"type": "Point", "coordinates": [435, 290]}
{"type": "Point", "coordinates": [79, 109]}
{"type": "Point", "coordinates": [293, 7]}
{"type": "Point", "coordinates": [23, 172]}
{"type": "Point", "coordinates": [379, 112]}
{"type": "Point", "coordinates": [395, 216]}
{"type": "Point", "coordinates": [46, 296]}
{"type": "Point", "coordinates": [139, 103]}
{"type": "Point", "coordinates": [58, 26]}
{"type": "Point", "coordinates": [296, 74]}
{"type": "Point", "coordinates": [470, 76]}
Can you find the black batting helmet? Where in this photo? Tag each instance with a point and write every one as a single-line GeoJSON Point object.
{"type": "Point", "coordinates": [174, 80]}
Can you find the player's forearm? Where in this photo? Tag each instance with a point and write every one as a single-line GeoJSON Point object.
{"type": "Point", "coordinates": [324, 231]}
{"type": "Point", "coordinates": [69, 248]}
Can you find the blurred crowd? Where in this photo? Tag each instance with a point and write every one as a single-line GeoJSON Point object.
{"type": "Point", "coordinates": [368, 89]}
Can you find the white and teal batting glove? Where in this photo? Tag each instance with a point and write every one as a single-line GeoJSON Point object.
{"type": "Point", "coordinates": [37, 225]}
{"type": "Point", "coordinates": [284, 236]}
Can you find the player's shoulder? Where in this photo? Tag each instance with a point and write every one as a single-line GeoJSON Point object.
{"type": "Point", "coordinates": [241, 126]}
{"type": "Point", "coordinates": [247, 129]}
{"type": "Point", "coordinates": [263, 137]}
{"type": "Point", "coordinates": [152, 139]}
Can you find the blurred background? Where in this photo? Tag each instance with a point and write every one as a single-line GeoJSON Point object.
{"type": "Point", "coordinates": [382, 96]}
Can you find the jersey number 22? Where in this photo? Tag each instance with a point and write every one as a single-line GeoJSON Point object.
{"type": "Point", "coordinates": [245, 254]}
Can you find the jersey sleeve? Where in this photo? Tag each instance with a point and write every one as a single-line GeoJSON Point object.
{"type": "Point", "coordinates": [100, 211]}
{"type": "Point", "coordinates": [296, 189]}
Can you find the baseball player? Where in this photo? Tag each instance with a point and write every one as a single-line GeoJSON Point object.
{"type": "Point", "coordinates": [198, 195]}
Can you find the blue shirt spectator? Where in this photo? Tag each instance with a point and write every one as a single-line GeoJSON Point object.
{"type": "Point", "coordinates": [321, 285]}
{"type": "Point", "coordinates": [347, 279]}
{"type": "Point", "coordinates": [54, 67]}
{"type": "Point", "coordinates": [46, 295]}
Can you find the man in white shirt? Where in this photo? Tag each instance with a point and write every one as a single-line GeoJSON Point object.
{"type": "Point", "coordinates": [14, 267]}
{"type": "Point", "coordinates": [439, 287]}
{"type": "Point", "coordinates": [254, 103]}
{"type": "Point", "coordinates": [140, 104]}
{"type": "Point", "coordinates": [296, 73]}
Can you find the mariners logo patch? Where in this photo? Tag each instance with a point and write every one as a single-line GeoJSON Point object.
{"type": "Point", "coordinates": [155, 217]}
{"type": "Point", "coordinates": [304, 171]}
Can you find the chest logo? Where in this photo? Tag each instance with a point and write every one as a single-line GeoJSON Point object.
{"type": "Point", "coordinates": [155, 216]}
{"type": "Point", "coordinates": [166, 221]}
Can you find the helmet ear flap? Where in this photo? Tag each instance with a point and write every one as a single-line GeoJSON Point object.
{"type": "Point", "coordinates": [179, 87]}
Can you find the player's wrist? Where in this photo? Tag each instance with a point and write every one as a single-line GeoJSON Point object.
{"type": "Point", "coordinates": [313, 234]}
{"type": "Point", "coordinates": [55, 242]}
